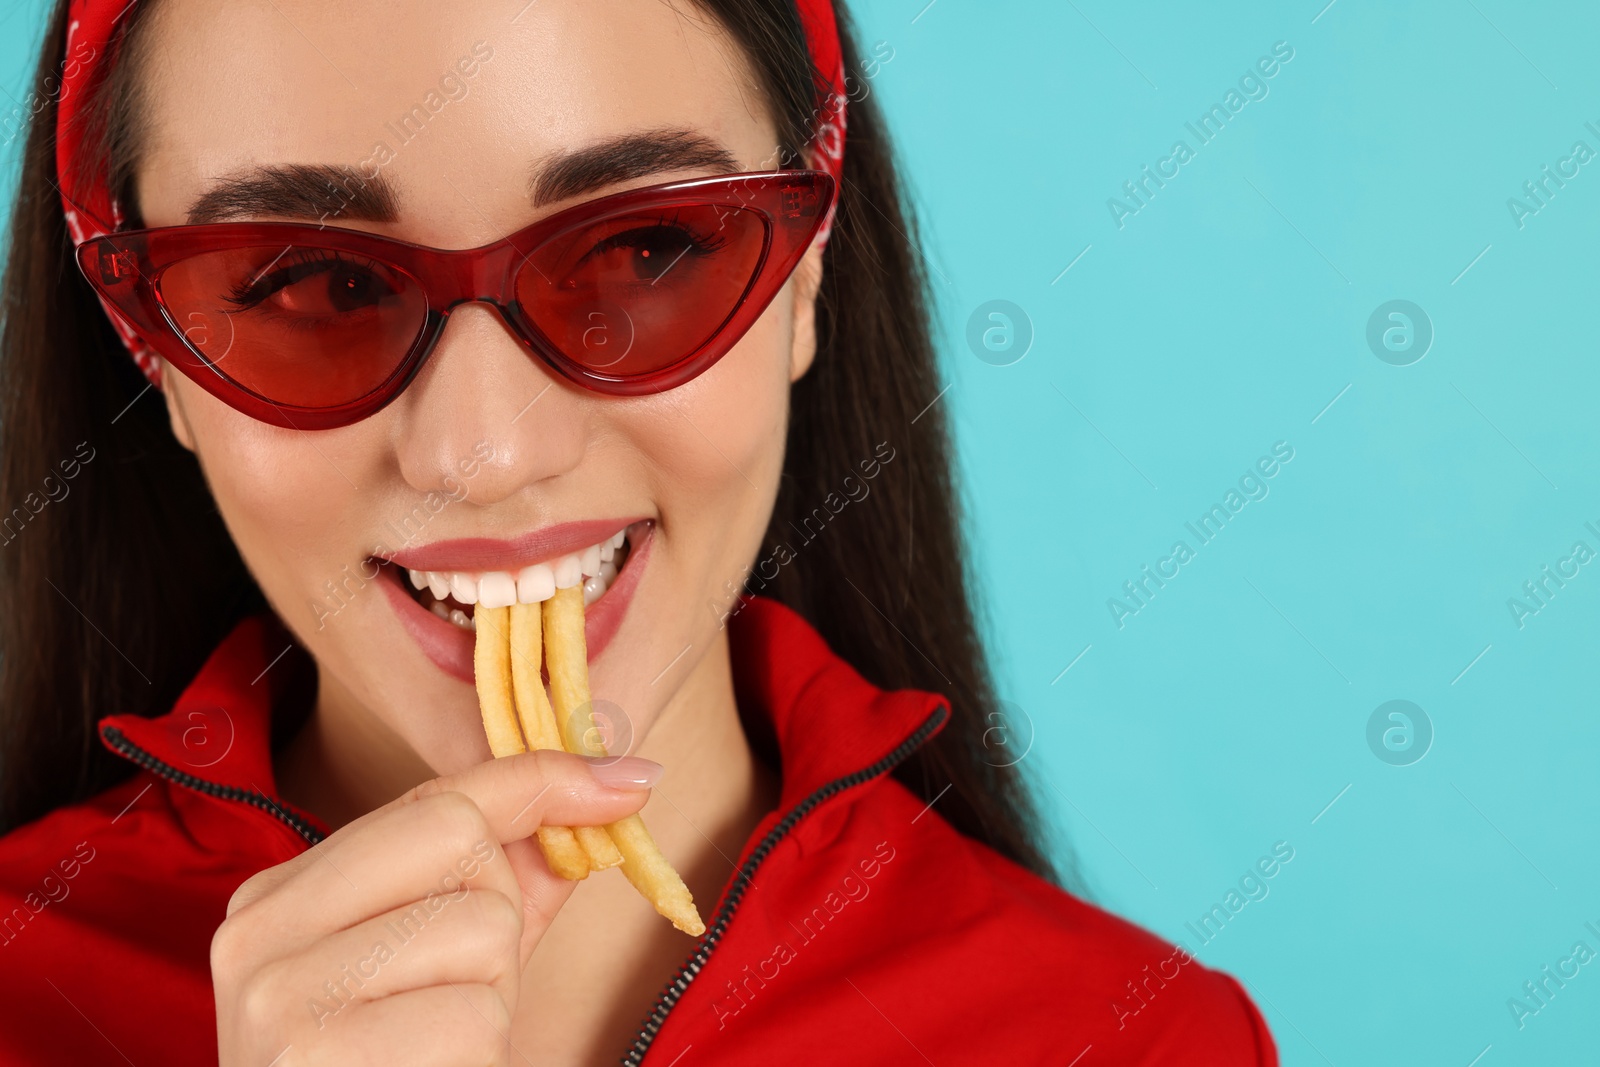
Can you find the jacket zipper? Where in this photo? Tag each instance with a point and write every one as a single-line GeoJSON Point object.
{"type": "Point", "coordinates": [119, 741]}
{"type": "Point", "coordinates": [674, 990]}
{"type": "Point", "coordinates": [691, 968]}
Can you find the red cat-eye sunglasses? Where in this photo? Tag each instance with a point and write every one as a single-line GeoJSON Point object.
{"type": "Point", "coordinates": [313, 327]}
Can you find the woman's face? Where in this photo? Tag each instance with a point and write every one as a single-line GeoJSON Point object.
{"type": "Point", "coordinates": [488, 463]}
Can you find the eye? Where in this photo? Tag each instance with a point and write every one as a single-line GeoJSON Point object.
{"type": "Point", "coordinates": [316, 283]}
{"type": "Point", "coordinates": [647, 252]}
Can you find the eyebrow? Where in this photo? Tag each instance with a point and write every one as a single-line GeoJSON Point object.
{"type": "Point", "coordinates": [297, 190]}
{"type": "Point", "coordinates": [624, 158]}
{"type": "Point", "coordinates": [324, 191]}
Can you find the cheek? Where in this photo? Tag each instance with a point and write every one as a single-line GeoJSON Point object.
{"type": "Point", "coordinates": [284, 494]}
{"type": "Point", "coordinates": [722, 435]}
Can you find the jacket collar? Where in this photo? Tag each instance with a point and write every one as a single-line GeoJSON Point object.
{"type": "Point", "coordinates": [824, 721]}
{"type": "Point", "coordinates": [220, 729]}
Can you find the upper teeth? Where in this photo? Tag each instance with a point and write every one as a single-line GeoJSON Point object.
{"type": "Point", "coordinates": [530, 585]}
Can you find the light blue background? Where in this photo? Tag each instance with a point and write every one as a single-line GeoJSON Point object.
{"type": "Point", "coordinates": [1226, 315]}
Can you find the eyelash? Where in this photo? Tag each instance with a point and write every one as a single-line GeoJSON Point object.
{"type": "Point", "coordinates": [246, 295]}
{"type": "Point", "coordinates": [699, 245]}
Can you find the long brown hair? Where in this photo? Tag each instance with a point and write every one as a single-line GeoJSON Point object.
{"type": "Point", "coordinates": [114, 596]}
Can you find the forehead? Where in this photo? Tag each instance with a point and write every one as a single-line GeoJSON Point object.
{"type": "Point", "coordinates": [455, 101]}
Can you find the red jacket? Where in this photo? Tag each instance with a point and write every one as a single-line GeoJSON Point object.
{"type": "Point", "coordinates": [878, 934]}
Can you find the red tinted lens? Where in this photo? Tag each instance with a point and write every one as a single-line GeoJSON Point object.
{"type": "Point", "coordinates": [636, 293]}
{"type": "Point", "coordinates": [302, 326]}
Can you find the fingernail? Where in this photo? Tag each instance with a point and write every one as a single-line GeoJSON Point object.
{"type": "Point", "coordinates": [624, 772]}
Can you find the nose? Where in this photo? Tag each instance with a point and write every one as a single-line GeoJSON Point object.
{"type": "Point", "coordinates": [484, 414]}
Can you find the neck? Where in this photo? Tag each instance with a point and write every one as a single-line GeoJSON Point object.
{"type": "Point", "coordinates": [345, 761]}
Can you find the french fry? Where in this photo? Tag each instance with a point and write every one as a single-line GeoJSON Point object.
{"type": "Point", "coordinates": [568, 667]}
{"type": "Point", "coordinates": [494, 672]}
{"type": "Point", "coordinates": [655, 879]}
{"type": "Point", "coordinates": [491, 668]}
{"type": "Point", "coordinates": [539, 722]}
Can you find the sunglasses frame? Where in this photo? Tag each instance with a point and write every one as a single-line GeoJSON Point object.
{"type": "Point", "coordinates": [126, 269]}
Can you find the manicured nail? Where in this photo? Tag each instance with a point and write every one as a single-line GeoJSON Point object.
{"type": "Point", "coordinates": [624, 772]}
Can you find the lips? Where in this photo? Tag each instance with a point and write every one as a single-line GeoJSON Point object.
{"type": "Point", "coordinates": [434, 589]}
{"type": "Point", "coordinates": [478, 554]}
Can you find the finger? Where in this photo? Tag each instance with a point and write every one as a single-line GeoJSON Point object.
{"type": "Point", "coordinates": [563, 784]}
{"type": "Point", "coordinates": [440, 834]}
{"type": "Point", "coordinates": [543, 893]}
{"type": "Point", "coordinates": [423, 852]}
{"type": "Point", "coordinates": [457, 1025]}
{"type": "Point", "coordinates": [471, 937]}
{"type": "Point", "coordinates": [546, 788]}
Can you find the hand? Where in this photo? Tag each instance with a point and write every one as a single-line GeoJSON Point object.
{"type": "Point", "coordinates": [402, 937]}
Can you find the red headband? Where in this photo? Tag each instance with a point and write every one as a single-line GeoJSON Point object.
{"type": "Point", "coordinates": [91, 210]}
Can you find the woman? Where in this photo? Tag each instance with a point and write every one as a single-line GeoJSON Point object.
{"type": "Point", "coordinates": [241, 740]}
